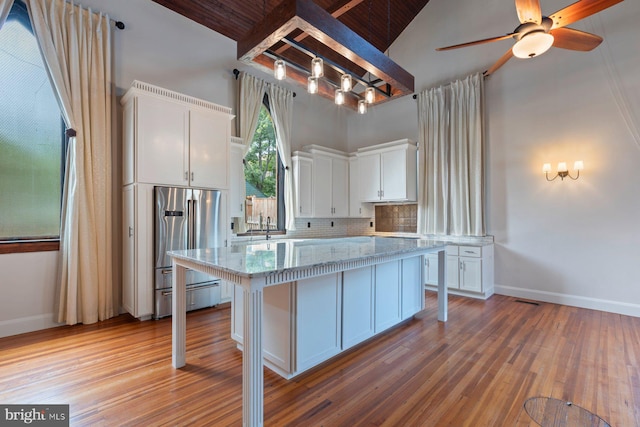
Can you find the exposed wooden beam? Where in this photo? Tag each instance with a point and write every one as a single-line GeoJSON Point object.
{"type": "Point", "coordinates": [318, 23]}
{"type": "Point", "coordinates": [339, 9]}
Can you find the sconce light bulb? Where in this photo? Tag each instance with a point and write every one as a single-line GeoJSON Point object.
{"type": "Point", "coordinates": [562, 167]}
{"type": "Point", "coordinates": [546, 168]}
{"type": "Point", "coordinates": [578, 165]}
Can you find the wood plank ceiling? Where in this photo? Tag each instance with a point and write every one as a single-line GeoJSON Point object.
{"type": "Point", "coordinates": [378, 22]}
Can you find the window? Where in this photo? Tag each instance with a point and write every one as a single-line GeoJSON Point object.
{"type": "Point", "coordinates": [32, 139]}
{"type": "Point", "coordinates": [264, 176]}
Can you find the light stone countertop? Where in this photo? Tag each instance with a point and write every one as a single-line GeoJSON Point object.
{"type": "Point", "coordinates": [265, 257]}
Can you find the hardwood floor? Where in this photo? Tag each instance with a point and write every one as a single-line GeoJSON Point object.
{"type": "Point", "coordinates": [475, 370]}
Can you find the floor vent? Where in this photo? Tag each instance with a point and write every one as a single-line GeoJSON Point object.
{"type": "Point", "coordinates": [527, 302]}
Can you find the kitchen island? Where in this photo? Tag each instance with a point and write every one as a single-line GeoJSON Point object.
{"type": "Point", "coordinates": [254, 266]}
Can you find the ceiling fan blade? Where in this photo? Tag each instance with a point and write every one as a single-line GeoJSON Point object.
{"type": "Point", "coordinates": [529, 11]}
{"type": "Point", "coordinates": [499, 63]}
{"type": "Point", "coordinates": [568, 38]}
{"type": "Point", "coordinates": [489, 40]}
{"type": "Point", "coordinates": [579, 10]}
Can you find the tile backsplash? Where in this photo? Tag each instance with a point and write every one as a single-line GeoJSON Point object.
{"type": "Point", "coordinates": [397, 218]}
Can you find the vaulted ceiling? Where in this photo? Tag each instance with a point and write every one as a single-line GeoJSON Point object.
{"type": "Point", "coordinates": [379, 22]}
{"type": "Point", "coordinates": [350, 35]}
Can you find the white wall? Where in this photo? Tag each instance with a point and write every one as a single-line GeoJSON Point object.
{"type": "Point", "coordinates": [574, 242]}
{"type": "Point", "coordinates": [163, 48]}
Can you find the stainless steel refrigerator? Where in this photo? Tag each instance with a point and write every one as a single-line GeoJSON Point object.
{"type": "Point", "coordinates": [186, 218]}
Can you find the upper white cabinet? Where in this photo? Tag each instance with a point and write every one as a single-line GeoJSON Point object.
{"type": "Point", "coordinates": [174, 139]}
{"type": "Point", "coordinates": [303, 184]}
{"type": "Point", "coordinates": [237, 188]}
{"type": "Point", "coordinates": [321, 180]}
{"type": "Point", "coordinates": [388, 172]}
{"type": "Point", "coordinates": [357, 209]}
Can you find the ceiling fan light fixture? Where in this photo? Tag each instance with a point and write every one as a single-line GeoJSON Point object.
{"type": "Point", "coordinates": [279, 69]}
{"type": "Point", "coordinates": [532, 44]}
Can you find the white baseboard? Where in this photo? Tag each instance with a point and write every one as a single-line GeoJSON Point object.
{"type": "Point", "coordinates": [27, 324]}
{"type": "Point", "coordinates": [624, 308]}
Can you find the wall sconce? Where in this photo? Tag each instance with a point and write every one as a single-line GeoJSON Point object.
{"type": "Point", "coordinates": [562, 170]}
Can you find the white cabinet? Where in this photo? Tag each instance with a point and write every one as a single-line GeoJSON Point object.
{"type": "Point", "coordinates": [469, 270]}
{"type": "Point", "coordinates": [387, 295]}
{"type": "Point", "coordinates": [431, 269]}
{"type": "Point", "coordinates": [357, 306]}
{"type": "Point", "coordinates": [137, 250]}
{"type": "Point", "coordinates": [321, 182]}
{"type": "Point", "coordinates": [357, 209]}
{"type": "Point", "coordinates": [388, 172]}
{"type": "Point", "coordinates": [412, 290]}
{"type": "Point", "coordinates": [303, 184]}
{"type": "Point", "coordinates": [237, 187]}
{"type": "Point", "coordinates": [226, 291]}
{"type": "Point", "coordinates": [173, 139]}
{"type": "Point", "coordinates": [318, 320]}
{"type": "Point", "coordinates": [330, 186]}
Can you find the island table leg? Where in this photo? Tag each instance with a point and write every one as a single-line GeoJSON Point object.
{"type": "Point", "coordinates": [252, 364]}
{"type": "Point", "coordinates": [178, 316]}
{"type": "Point", "coordinates": [442, 288]}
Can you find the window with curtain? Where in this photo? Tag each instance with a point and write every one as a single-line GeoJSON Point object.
{"type": "Point", "coordinates": [264, 177]}
{"type": "Point", "coordinates": [32, 138]}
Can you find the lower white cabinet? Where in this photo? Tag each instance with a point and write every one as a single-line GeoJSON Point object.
{"type": "Point", "coordinates": [311, 320]}
{"type": "Point", "coordinates": [357, 306]}
{"type": "Point", "coordinates": [387, 295]}
{"type": "Point", "coordinates": [469, 270]}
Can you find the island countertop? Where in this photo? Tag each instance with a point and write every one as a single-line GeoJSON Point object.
{"type": "Point", "coordinates": [264, 257]}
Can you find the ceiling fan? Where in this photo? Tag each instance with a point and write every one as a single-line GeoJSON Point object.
{"type": "Point", "coordinates": [537, 33]}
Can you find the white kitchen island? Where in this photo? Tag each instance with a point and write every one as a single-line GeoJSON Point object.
{"type": "Point", "coordinates": [257, 265]}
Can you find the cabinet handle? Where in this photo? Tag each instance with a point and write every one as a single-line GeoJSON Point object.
{"type": "Point", "coordinates": [241, 207]}
{"type": "Point", "coordinates": [192, 175]}
{"type": "Point", "coordinates": [300, 209]}
{"type": "Point", "coordinates": [130, 231]}
{"type": "Point", "coordinates": [186, 176]}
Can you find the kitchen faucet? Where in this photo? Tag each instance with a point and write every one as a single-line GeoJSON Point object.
{"type": "Point", "coordinates": [268, 225]}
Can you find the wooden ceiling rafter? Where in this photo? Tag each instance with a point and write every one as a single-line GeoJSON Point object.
{"type": "Point", "coordinates": [320, 25]}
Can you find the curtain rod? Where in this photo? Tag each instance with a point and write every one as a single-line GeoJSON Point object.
{"type": "Point", "coordinates": [415, 95]}
{"type": "Point", "coordinates": [236, 73]}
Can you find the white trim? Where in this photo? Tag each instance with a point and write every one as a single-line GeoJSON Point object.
{"type": "Point", "coordinates": [27, 324]}
{"type": "Point", "coordinates": [618, 307]}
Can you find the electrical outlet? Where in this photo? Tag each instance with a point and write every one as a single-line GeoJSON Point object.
{"type": "Point", "coordinates": [332, 223]}
{"type": "Point", "coordinates": [308, 225]}
{"type": "Point", "coordinates": [371, 224]}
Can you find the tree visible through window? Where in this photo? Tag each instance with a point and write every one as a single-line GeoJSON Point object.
{"type": "Point", "coordinates": [263, 180]}
{"type": "Point", "coordinates": [31, 136]}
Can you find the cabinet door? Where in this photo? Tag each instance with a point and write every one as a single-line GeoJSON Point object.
{"type": "Point", "coordinates": [431, 269]}
{"type": "Point", "coordinates": [394, 175]}
{"type": "Point", "coordinates": [369, 177]}
{"type": "Point", "coordinates": [387, 295]}
{"type": "Point", "coordinates": [237, 182]}
{"type": "Point", "coordinates": [276, 325]}
{"type": "Point", "coordinates": [209, 149]}
{"type": "Point", "coordinates": [357, 306]}
{"type": "Point", "coordinates": [322, 203]}
{"type": "Point", "coordinates": [340, 187]}
{"type": "Point", "coordinates": [303, 177]}
{"type": "Point", "coordinates": [128, 250]}
{"type": "Point", "coordinates": [412, 289]}
{"type": "Point", "coordinates": [162, 147]}
{"type": "Point", "coordinates": [453, 271]}
{"type": "Point", "coordinates": [318, 315]}
{"type": "Point", "coordinates": [471, 274]}
{"type": "Point", "coordinates": [357, 209]}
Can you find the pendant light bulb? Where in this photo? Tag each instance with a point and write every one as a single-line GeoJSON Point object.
{"type": "Point", "coordinates": [312, 84]}
{"type": "Point", "coordinates": [317, 67]}
{"type": "Point", "coordinates": [346, 83]}
{"type": "Point", "coordinates": [369, 95]}
{"type": "Point", "coordinates": [339, 99]}
{"type": "Point", "coordinates": [362, 106]}
{"type": "Point", "coordinates": [279, 69]}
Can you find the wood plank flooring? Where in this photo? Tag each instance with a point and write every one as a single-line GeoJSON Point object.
{"type": "Point", "coordinates": [476, 370]}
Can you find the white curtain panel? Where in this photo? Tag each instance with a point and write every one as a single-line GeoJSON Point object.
{"type": "Point", "coordinates": [76, 46]}
{"type": "Point", "coordinates": [281, 102]}
{"type": "Point", "coordinates": [5, 7]}
{"type": "Point", "coordinates": [451, 133]}
{"type": "Point", "coordinates": [252, 90]}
